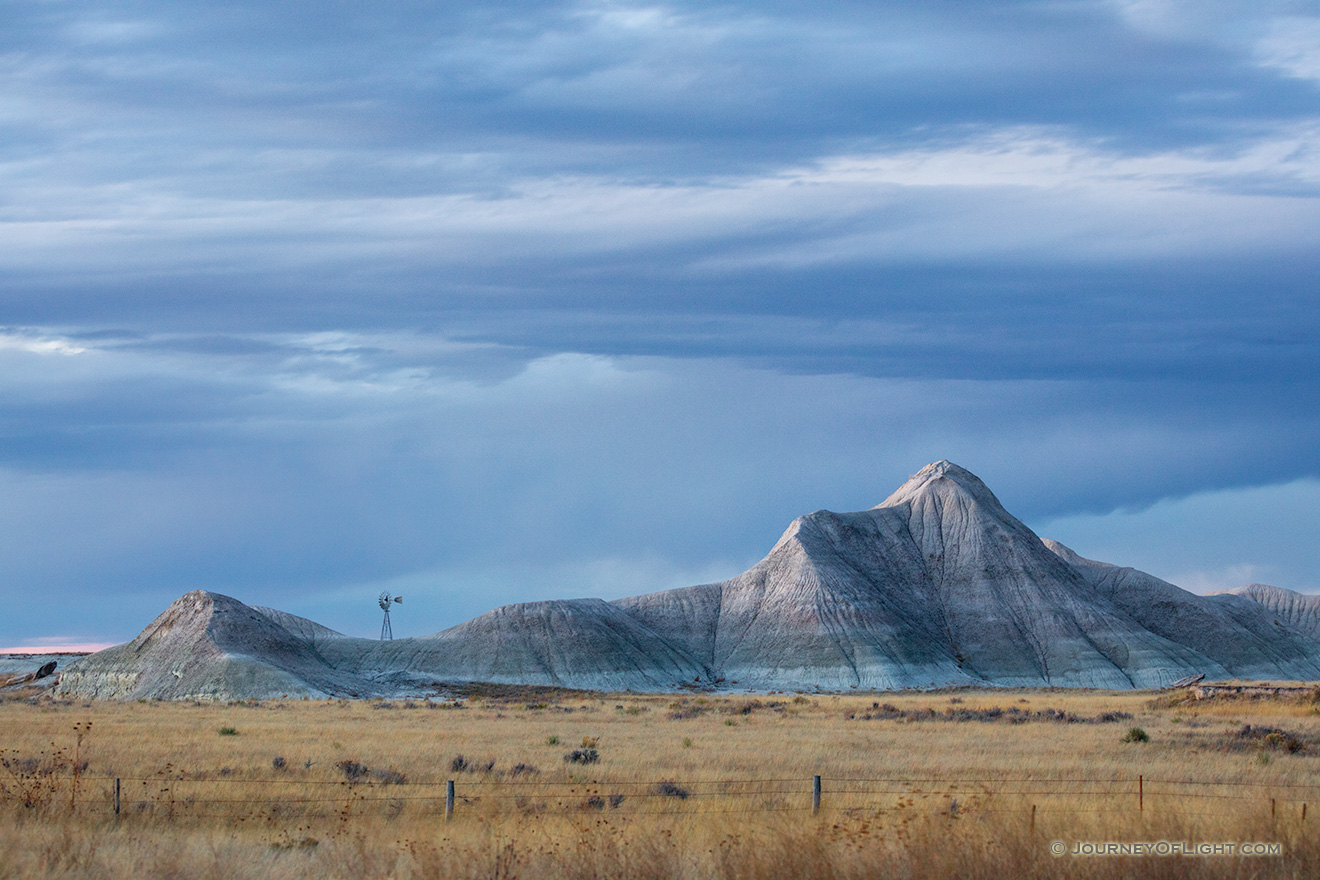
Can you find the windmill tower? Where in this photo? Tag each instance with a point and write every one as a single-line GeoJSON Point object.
{"type": "Point", "coordinates": [387, 631]}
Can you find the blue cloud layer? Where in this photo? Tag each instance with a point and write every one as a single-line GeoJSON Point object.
{"type": "Point", "coordinates": [496, 299]}
{"type": "Point", "coordinates": [309, 470]}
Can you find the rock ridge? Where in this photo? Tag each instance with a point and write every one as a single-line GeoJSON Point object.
{"type": "Point", "coordinates": [937, 585]}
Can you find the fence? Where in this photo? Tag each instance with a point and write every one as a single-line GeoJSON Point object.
{"type": "Point", "coordinates": [238, 797]}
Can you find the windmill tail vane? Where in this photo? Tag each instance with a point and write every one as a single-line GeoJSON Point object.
{"type": "Point", "coordinates": [387, 631]}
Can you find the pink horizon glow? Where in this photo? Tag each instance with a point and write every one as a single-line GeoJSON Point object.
{"type": "Point", "coordinates": [83, 648]}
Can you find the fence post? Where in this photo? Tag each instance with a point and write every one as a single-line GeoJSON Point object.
{"type": "Point", "coordinates": [1141, 793]}
{"type": "Point", "coordinates": [1271, 809]}
{"type": "Point", "coordinates": [1033, 818]}
{"type": "Point", "coordinates": [1303, 813]}
{"type": "Point", "coordinates": [815, 795]}
{"type": "Point", "coordinates": [449, 800]}
{"type": "Point", "coordinates": [117, 796]}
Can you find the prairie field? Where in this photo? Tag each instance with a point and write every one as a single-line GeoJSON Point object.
{"type": "Point", "coordinates": [563, 784]}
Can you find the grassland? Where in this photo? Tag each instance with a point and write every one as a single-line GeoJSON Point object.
{"type": "Point", "coordinates": [950, 784]}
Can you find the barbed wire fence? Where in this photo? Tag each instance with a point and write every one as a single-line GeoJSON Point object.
{"type": "Point", "coordinates": [244, 797]}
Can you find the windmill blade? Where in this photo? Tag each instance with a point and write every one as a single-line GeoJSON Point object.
{"type": "Point", "coordinates": [398, 599]}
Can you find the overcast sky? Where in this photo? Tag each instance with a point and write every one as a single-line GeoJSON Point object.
{"type": "Point", "coordinates": [484, 302]}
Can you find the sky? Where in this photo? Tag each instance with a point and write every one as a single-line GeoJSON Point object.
{"type": "Point", "coordinates": [491, 302]}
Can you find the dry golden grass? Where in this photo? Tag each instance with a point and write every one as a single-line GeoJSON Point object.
{"type": "Point", "coordinates": [908, 790]}
{"type": "Point", "coordinates": [1300, 705]}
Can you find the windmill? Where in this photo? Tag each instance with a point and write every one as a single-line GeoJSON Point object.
{"type": "Point", "coordinates": [387, 631]}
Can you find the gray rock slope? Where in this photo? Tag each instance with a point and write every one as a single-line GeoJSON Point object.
{"type": "Point", "coordinates": [579, 643]}
{"type": "Point", "coordinates": [940, 585]}
{"type": "Point", "coordinates": [1297, 610]}
{"type": "Point", "coordinates": [1244, 638]}
{"type": "Point", "coordinates": [937, 585]}
{"type": "Point", "coordinates": [210, 647]}
{"type": "Point", "coordinates": [213, 647]}
{"type": "Point", "coordinates": [307, 630]}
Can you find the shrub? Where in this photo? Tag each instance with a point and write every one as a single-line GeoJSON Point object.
{"type": "Point", "coordinates": [352, 770]}
{"type": "Point", "coordinates": [552, 740]}
{"type": "Point", "coordinates": [672, 789]}
{"type": "Point", "coordinates": [390, 777]}
{"type": "Point", "coordinates": [524, 770]}
{"type": "Point", "coordinates": [1112, 717]}
{"type": "Point", "coordinates": [32, 781]}
{"type": "Point", "coordinates": [461, 764]}
{"type": "Point", "coordinates": [228, 731]}
{"type": "Point", "coordinates": [1270, 738]}
{"type": "Point", "coordinates": [525, 805]}
{"type": "Point", "coordinates": [278, 762]}
{"type": "Point", "coordinates": [582, 756]}
{"type": "Point", "coordinates": [1136, 735]}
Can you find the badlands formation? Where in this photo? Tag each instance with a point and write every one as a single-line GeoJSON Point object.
{"type": "Point", "coordinates": [936, 586]}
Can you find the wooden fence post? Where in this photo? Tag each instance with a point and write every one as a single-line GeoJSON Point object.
{"type": "Point", "coordinates": [815, 795]}
{"type": "Point", "coordinates": [1033, 818]}
{"type": "Point", "coordinates": [449, 800]}
{"type": "Point", "coordinates": [1141, 793]}
{"type": "Point", "coordinates": [116, 795]}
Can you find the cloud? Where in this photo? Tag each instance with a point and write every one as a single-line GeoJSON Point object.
{"type": "Point", "coordinates": [300, 470]}
{"type": "Point", "coordinates": [497, 301]}
{"type": "Point", "coordinates": [1199, 541]}
{"type": "Point", "coordinates": [32, 344]}
{"type": "Point", "coordinates": [409, 167]}
{"type": "Point", "coordinates": [1002, 197]}
{"type": "Point", "coordinates": [1292, 44]}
